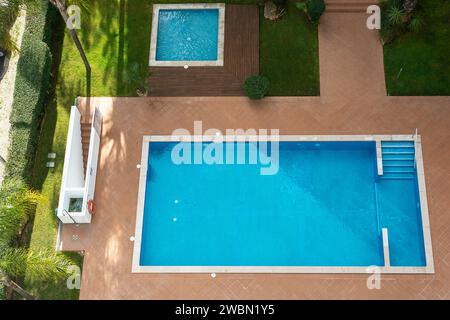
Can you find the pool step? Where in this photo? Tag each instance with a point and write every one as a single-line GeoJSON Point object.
{"type": "Point", "coordinates": [398, 177]}
{"type": "Point", "coordinates": [398, 159]}
{"type": "Point", "coordinates": [398, 151]}
{"type": "Point", "coordinates": [399, 144]}
{"type": "Point", "coordinates": [398, 169]}
{"type": "Point", "coordinates": [398, 163]}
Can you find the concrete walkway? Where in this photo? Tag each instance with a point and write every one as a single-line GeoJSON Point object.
{"type": "Point", "coordinates": [353, 101]}
{"type": "Point", "coordinates": [351, 58]}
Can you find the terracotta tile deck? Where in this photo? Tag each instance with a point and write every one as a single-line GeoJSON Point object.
{"type": "Point", "coordinates": [350, 104]}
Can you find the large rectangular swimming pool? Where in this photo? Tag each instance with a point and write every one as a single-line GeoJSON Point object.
{"type": "Point", "coordinates": [326, 206]}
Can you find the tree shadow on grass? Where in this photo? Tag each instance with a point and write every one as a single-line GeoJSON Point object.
{"type": "Point", "coordinates": [48, 124]}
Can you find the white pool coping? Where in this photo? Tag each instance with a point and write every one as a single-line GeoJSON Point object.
{"type": "Point", "coordinates": [220, 41]}
{"type": "Point", "coordinates": [387, 269]}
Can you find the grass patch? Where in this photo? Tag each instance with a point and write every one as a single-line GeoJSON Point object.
{"type": "Point", "coordinates": [116, 37]}
{"type": "Point", "coordinates": [418, 63]}
{"type": "Point", "coordinates": [52, 138]}
{"type": "Point", "coordinates": [289, 55]}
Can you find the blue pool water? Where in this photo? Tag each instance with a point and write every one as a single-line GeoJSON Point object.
{"type": "Point", "coordinates": [187, 35]}
{"type": "Point", "coordinates": [324, 207]}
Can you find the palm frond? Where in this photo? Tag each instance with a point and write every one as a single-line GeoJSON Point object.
{"type": "Point", "coordinates": [40, 265]}
{"type": "Point", "coordinates": [416, 23]}
{"type": "Point", "coordinates": [17, 203]}
{"type": "Point", "coordinates": [395, 15]}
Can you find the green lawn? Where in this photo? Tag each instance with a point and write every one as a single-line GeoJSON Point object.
{"type": "Point", "coordinates": [289, 54]}
{"type": "Point", "coordinates": [418, 64]}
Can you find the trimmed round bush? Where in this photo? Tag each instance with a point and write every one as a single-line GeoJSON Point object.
{"type": "Point", "coordinates": [316, 9]}
{"type": "Point", "coordinates": [256, 87]}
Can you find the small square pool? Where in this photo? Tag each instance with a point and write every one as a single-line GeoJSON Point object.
{"type": "Point", "coordinates": [187, 34]}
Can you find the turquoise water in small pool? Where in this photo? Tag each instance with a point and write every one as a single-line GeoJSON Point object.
{"type": "Point", "coordinates": [187, 35]}
{"type": "Point", "coordinates": [324, 207]}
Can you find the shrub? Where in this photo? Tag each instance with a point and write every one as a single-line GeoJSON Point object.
{"type": "Point", "coordinates": [16, 207]}
{"type": "Point", "coordinates": [32, 83]}
{"type": "Point", "coordinates": [256, 87]}
{"type": "Point", "coordinates": [399, 17]}
{"type": "Point", "coordinates": [395, 15]}
{"type": "Point", "coordinates": [315, 10]}
{"type": "Point", "coordinates": [416, 23]}
{"type": "Point", "coordinates": [312, 8]}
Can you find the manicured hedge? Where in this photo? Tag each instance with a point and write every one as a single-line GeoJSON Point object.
{"type": "Point", "coordinates": [32, 83]}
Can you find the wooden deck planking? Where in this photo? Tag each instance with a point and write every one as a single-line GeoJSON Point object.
{"type": "Point", "coordinates": [241, 59]}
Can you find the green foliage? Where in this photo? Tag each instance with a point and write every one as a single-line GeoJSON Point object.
{"type": "Point", "coordinates": [315, 10]}
{"type": "Point", "coordinates": [31, 86]}
{"type": "Point", "coordinates": [9, 11]}
{"type": "Point", "coordinates": [32, 82]}
{"type": "Point", "coordinates": [416, 24]}
{"type": "Point", "coordinates": [138, 77]}
{"type": "Point", "coordinates": [17, 204]}
{"type": "Point", "coordinates": [2, 293]}
{"type": "Point", "coordinates": [398, 17]}
{"type": "Point", "coordinates": [56, 290]}
{"type": "Point", "coordinates": [395, 15]}
{"type": "Point", "coordinates": [256, 87]}
{"type": "Point", "coordinates": [312, 8]}
{"type": "Point", "coordinates": [32, 79]}
{"type": "Point", "coordinates": [289, 54]}
{"type": "Point", "coordinates": [303, 6]}
{"type": "Point", "coordinates": [39, 266]}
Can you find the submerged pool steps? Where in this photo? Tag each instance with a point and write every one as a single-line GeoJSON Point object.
{"type": "Point", "coordinates": [398, 159]}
